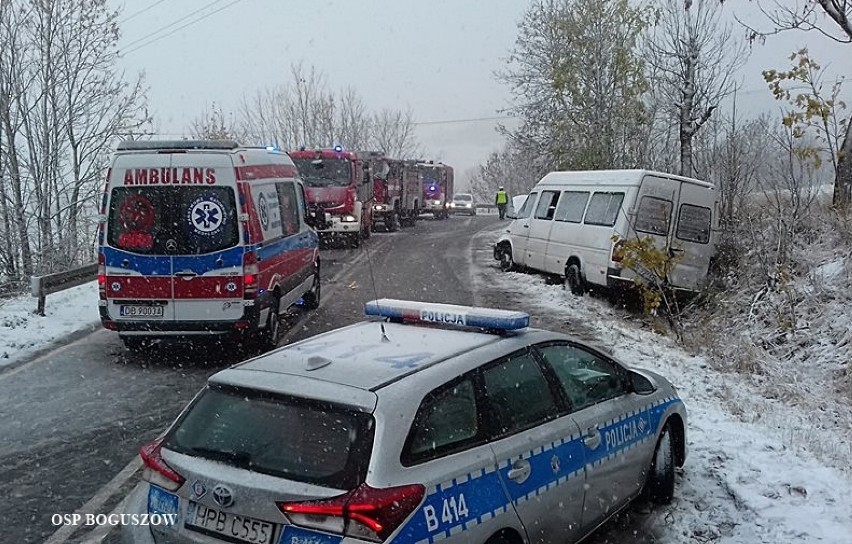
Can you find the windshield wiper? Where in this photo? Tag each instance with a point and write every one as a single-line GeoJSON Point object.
{"type": "Point", "coordinates": [238, 458]}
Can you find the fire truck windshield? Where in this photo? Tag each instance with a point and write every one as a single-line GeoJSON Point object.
{"type": "Point", "coordinates": [324, 172]}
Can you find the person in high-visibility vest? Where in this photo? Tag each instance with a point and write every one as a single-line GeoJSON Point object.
{"type": "Point", "coordinates": [501, 200]}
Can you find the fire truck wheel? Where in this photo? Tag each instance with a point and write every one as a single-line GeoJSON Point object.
{"type": "Point", "coordinates": [356, 238]}
{"type": "Point", "coordinates": [393, 222]}
{"type": "Point", "coordinates": [367, 232]}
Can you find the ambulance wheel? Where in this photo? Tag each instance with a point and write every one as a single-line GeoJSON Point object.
{"type": "Point", "coordinates": [573, 280]}
{"type": "Point", "coordinates": [135, 343]}
{"type": "Point", "coordinates": [311, 299]}
{"type": "Point", "coordinates": [659, 487]}
{"type": "Point", "coordinates": [271, 334]}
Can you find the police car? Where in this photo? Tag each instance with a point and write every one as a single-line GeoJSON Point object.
{"type": "Point", "coordinates": [428, 422]}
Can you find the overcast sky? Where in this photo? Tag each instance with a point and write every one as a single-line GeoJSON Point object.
{"type": "Point", "coordinates": [436, 56]}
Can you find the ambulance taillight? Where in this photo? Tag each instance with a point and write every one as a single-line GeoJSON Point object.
{"type": "Point", "coordinates": [102, 276]}
{"type": "Point", "coordinates": [250, 272]}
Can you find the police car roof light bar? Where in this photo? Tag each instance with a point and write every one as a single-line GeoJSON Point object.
{"type": "Point", "coordinates": [447, 314]}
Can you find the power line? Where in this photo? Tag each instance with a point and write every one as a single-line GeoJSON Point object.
{"type": "Point", "coordinates": [471, 120]}
{"type": "Point", "coordinates": [149, 42]}
{"type": "Point", "coordinates": [173, 23]}
{"type": "Point", "coordinates": [141, 11]}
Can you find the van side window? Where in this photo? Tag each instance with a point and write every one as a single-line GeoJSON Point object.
{"type": "Point", "coordinates": [289, 206]}
{"type": "Point", "coordinates": [693, 224]}
{"type": "Point", "coordinates": [547, 205]}
{"type": "Point", "coordinates": [526, 209]}
{"type": "Point", "coordinates": [446, 422]}
{"type": "Point", "coordinates": [603, 209]}
{"type": "Point", "coordinates": [519, 395]}
{"type": "Point", "coordinates": [653, 216]}
{"type": "Point", "coordinates": [572, 206]}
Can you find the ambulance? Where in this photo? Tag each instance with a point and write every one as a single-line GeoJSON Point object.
{"type": "Point", "coordinates": [204, 238]}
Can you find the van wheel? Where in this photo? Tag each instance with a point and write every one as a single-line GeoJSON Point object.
{"type": "Point", "coordinates": [311, 299]}
{"type": "Point", "coordinates": [660, 484]}
{"type": "Point", "coordinates": [507, 264]}
{"type": "Point", "coordinates": [271, 335]}
{"type": "Point", "coordinates": [135, 343]}
{"type": "Point", "coordinates": [574, 281]}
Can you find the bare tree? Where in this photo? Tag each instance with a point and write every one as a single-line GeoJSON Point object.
{"type": "Point", "coordinates": [833, 20]}
{"type": "Point", "coordinates": [212, 125]}
{"type": "Point", "coordinates": [393, 133]}
{"type": "Point", "coordinates": [693, 55]}
{"type": "Point", "coordinates": [513, 168]}
{"type": "Point", "coordinates": [577, 80]}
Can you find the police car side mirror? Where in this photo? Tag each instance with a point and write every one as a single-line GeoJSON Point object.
{"type": "Point", "coordinates": [640, 384]}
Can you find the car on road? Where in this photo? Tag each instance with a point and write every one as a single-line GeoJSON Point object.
{"type": "Point", "coordinates": [427, 422]}
{"type": "Point", "coordinates": [463, 204]}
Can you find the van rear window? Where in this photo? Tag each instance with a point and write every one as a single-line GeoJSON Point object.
{"type": "Point", "coordinates": [169, 220]}
{"type": "Point", "coordinates": [299, 439]}
{"type": "Point", "coordinates": [693, 224]}
{"type": "Point", "coordinates": [653, 215]}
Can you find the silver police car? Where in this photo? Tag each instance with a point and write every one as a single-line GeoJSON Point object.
{"type": "Point", "coordinates": [429, 422]}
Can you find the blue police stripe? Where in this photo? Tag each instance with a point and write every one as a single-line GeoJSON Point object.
{"type": "Point", "coordinates": [485, 496]}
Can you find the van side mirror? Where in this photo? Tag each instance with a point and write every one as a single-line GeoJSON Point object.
{"type": "Point", "coordinates": [316, 218]}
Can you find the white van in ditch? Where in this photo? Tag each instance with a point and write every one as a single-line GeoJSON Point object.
{"type": "Point", "coordinates": [566, 226]}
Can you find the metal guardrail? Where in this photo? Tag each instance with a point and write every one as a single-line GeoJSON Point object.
{"type": "Point", "coordinates": [41, 286]}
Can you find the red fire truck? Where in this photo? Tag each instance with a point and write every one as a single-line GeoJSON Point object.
{"type": "Point", "coordinates": [437, 183]}
{"type": "Point", "coordinates": [397, 195]}
{"type": "Point", "coordinates": [340, 182]}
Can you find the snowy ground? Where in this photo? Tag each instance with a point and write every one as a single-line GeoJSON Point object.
{"type": "Point", "coordinates": [22, 333]}
{"type": "Point", "coordinates": [757, 472]}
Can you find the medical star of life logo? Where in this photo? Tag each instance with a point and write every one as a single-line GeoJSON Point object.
{"type": "Point", "coordinates": [206, 215]}
{"type": "Point", "coordinates": [263, 211]}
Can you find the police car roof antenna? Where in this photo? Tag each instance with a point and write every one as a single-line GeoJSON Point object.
{"type": "Point", "coordinates": [375, 290]}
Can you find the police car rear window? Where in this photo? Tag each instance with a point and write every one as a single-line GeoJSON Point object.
{"type": "Point", "coordinates": [298, 439]}
{"type": "Point", "coordinates": [170, 220]}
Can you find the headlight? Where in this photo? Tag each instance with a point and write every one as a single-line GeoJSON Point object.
{"type": "Point", "coordinates": [436, 202]}
{"type": "Point", "coordinates": [379, 207]}
{"type": "Point", "coordinates": [348, 219]}
{"type": "Point", "coordinates": [452, 204]}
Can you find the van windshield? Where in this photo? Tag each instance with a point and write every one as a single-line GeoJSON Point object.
{"type": "Point", "coordinates": [299, 439]}
{"type": "Point", "coordinates": [172, 220]}
{"type": "Point", "coordinates": [324, 172]}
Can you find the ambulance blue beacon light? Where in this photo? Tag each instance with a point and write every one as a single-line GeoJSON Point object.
{"type": "Point", "coordinates": [447, 314]}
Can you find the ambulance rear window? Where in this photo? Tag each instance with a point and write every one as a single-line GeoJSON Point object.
{"type": "Point", "coordinates": [169, 220]}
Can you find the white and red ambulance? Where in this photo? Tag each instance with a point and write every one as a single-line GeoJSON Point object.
{"type": "Point", "coordinates": [204, 238]}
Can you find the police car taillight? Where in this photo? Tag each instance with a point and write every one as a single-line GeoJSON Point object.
{"type": "Point", "coordinates": [447, 314]}
{"type": "Point", "coordinates": [101, 276]}
{"type": "Point", "coordinates": [366, 512]}
{"type": "Point", "coordinates": [156, 471]}
{"type": "Point", "coordinates": [250, 273]}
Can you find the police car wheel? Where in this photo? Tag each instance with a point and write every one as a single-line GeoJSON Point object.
{"type": "Point", "coordinates": [659, 487]}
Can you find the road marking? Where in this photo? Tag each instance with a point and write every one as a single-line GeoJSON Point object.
{"type": "Point", "coordinates": [97, 501]}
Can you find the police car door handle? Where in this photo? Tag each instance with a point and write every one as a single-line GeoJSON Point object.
{"type": "Point", "coordinates": [520, 471]}
{"type": "Point", "coordinates": [592, 439]}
